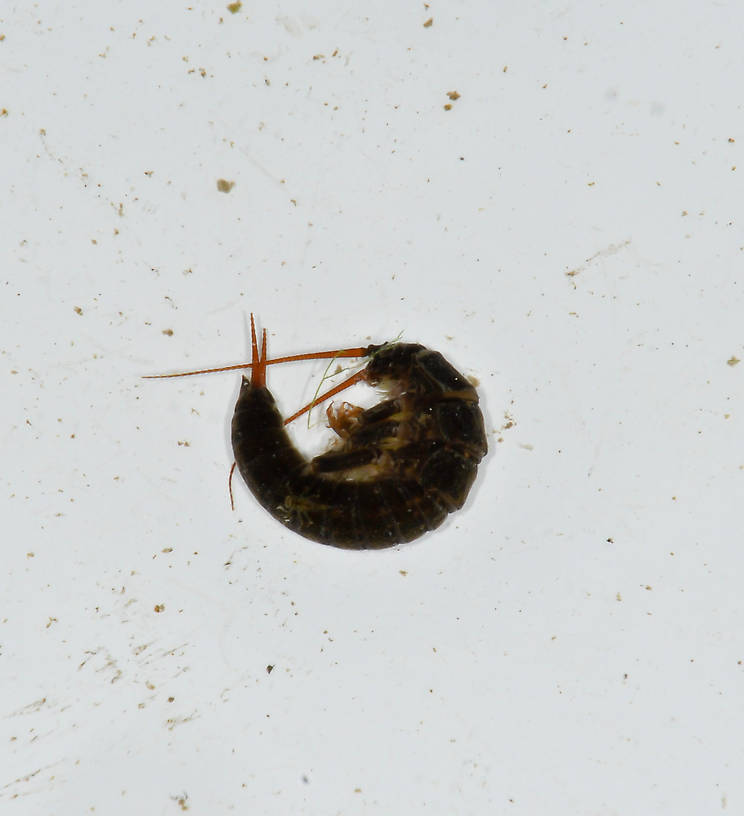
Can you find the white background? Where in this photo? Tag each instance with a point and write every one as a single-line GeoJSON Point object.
{"type": "Point", "coordinates": [569, 233]}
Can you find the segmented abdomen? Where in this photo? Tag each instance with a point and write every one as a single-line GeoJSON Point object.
{"type": "Point", "coordinates": [404, 466]}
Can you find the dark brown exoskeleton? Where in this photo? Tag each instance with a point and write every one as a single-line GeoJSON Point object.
{"type": "Point", "coordinates": [397, 470]}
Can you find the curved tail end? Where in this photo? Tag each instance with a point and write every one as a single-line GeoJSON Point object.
{"type": "Point", "coordinates": [258, 363]}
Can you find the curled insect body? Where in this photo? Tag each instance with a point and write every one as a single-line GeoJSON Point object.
{"type": "Point", "coordinates": [397, 469]}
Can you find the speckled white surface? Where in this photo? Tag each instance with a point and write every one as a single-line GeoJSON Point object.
{"type": "Point", "coordinates": [569, 233]}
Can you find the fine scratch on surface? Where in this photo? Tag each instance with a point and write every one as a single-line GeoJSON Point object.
{"type": "Point", "coordinates": [109, 663]}
{"type": "Point", "coordinates": [173, 651]}
{"type": "Point", "coordinates": [172, 722]}
{"type": "Point", "coordinates": [31, 708]}
{"type": "Point", "coordinates": [7, 792]}
{"type": "Point", "coordinates": [611, 249]}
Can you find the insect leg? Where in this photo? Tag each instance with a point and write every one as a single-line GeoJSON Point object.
{"type": "Point", "coordinates": [337, 461]}
{"type": "Point", "coordinates": [342, 418]}
{"type": "Point", "coordinates": [229, 486]}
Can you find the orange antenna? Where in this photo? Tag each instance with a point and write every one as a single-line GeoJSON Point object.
{"type": "Point", "coordinates": [292, 358]}
{"type": "Point", "coordinates": [200, 371]}
{"type": "Point", "coordinates": [355, 378]}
